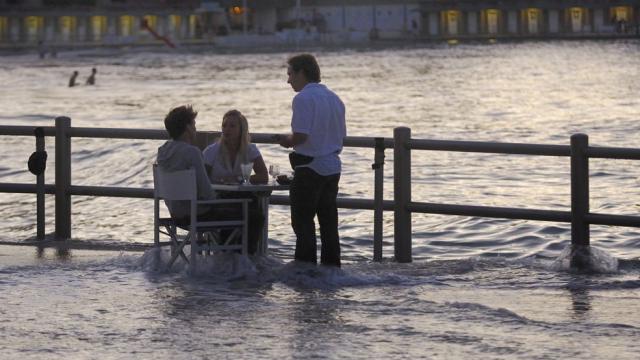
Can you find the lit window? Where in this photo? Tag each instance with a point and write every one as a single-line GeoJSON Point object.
{"type": "Point", "coordinates": [98, 27]}
{"type": "Point", "coordinates": [34, 27]}
{"type": "Point", "coordinates": [152, 20]}
{"type": "Point", "coordinates": [67, 25]}
{"type": "Point", "coordinates": [126, 25]}
{"type": "Point", "coordinates": [4, 27]}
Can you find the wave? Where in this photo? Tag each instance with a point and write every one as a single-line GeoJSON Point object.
{"type": "Point", "coordinates": [257, 271]}
{"type": "Point", "coordinates": [227, 267]}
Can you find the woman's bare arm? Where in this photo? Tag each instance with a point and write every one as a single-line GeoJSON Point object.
{"type": "Point", "coordinates": [261, 175]}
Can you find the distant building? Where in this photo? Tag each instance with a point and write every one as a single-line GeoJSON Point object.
{"type": "Point", "coordinates": [94, 22]}
{"type": "Point", "coordinates": [331, 18]}
{"type": "Point", "coordinates": [529, 18]}
{"type": "Point", "coordinates": [365, 20]}
{"type": "Point", "coordinates": [246, 22]}
{"type": "Point", "coordinates": [442, 18]}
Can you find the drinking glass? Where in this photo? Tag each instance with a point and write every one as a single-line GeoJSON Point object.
{"type": "Point", "coordinates": [246, 172]}
{"type": "Point", "coordinates": [274, 171]}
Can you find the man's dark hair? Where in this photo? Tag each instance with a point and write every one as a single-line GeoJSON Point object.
{"type": "Point", "coordinates": [178, 119]}
{"type": "Point", "coordinates": [308, 64]}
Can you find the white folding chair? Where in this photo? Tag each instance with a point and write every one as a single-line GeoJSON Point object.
{"type": "Point", "coordinates": [181, 185]}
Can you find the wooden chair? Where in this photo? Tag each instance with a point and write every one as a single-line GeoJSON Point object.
{"type": "Point", "coordinates": [204, 236]}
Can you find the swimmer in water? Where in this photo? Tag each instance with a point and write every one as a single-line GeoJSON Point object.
{"type": "Point", "coordinates": [72, 80]}
{"type": "Point", "coordinates": [91, 80]}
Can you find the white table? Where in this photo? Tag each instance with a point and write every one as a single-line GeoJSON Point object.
{"type": "Point", "coordinates": [262, 193]}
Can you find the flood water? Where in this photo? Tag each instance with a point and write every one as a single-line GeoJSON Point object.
{"type": "Point", "coordinates": [478, 287]}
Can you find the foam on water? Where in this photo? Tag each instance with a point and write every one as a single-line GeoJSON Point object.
{"type": "Point", "coordinates": [512, 274]}
{"type": "Point", "coordinates": [594, 259]}
{"type": "Point", "coordinates": [232, 267]}
{"type": "Point", "coordinates": [224, 266]}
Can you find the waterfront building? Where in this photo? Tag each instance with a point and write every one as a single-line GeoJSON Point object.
{"type": "Point", "coordinates": [95, 22]}
{"type": "Point", "coordinates": [365, 20]}
{"type": "Point", "coordinates": [76, 23]}
{"type": "Point", "coordinates": [530, 18]}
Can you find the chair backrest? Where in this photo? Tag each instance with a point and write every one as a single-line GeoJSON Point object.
{"type": "Point", "coordinates": [174, 185]}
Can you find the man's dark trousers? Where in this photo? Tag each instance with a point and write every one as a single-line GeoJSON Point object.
{"type": "Point", "coordinates": [312, 194]}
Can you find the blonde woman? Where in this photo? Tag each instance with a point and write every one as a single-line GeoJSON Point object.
{"type": "Point", "coordinates": [234, 148]}
{"type": "Point", "coordinates": [225, 157]}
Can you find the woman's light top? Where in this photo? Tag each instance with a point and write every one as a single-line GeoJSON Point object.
{"type": "Point", "coordinates": [222, 166]}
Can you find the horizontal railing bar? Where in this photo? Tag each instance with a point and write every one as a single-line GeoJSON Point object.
{"type": "Point", "coordinates": [362, 204]}
{"type": "Point", "coordinates": [343, 203]}
{"type": "Point", "coordinates": [490, 147]}
{"type": "Point", "coordinates": [111, 191]}
{"type": "Point", "coordinates": [22, 188]}
{"type": "Point", "coordinates": [157, 134]}
{"type": "Point", "coordinates": [366, 142]}
{"type": "Point", "coordinates": [147, 193]}
{"type": "Point", "coordinates": [261, 138]}
{"type": "Point", "coordinates": [613, 220]}
{"type": "Point", "coordinates": [117, 133]}
{"type": "Point", "coordinates": [15, 130]}
{"type": "Point", "coordinates": [613, 153]}
{"type": "Point", "coordinates": [350, 141]}
{"type": "Point", "coordinates": [493, 212]}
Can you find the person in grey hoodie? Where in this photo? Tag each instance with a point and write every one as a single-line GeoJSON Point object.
{"type": "Point", "coordinates": [179, 153]}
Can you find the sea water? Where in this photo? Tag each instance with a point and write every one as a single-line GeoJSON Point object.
{"type": "Point", "coordinates": [478, 287]}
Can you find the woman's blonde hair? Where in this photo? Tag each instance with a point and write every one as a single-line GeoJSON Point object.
{"type": "Point", "coordinates": [245, 138]}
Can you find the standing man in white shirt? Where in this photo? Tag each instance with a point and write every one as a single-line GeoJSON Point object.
{"type": "Point", "coordinates": [317, 131]}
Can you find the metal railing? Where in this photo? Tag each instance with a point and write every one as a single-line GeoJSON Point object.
{"type": "Point", "coordinates": [579, 151]}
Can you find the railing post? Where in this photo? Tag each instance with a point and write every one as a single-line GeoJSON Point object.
{"type": "Point", "coordinates": [378, 167]}
{"type": "Point", "coordinates": [40, 230]}
{"type": "Point", "coordinates": [402, 193]}
{"type": "Point", "coordinates": [63, 178]}
{"type": "Point", "coordinates": [579, 190]}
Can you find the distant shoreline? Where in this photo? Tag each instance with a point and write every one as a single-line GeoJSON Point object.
{"type": "Point", "coordinates": [8, 49]}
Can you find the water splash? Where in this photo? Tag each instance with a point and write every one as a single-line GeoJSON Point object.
{"type": "Point", "coordinates": [585, 259]}
{"type": "Point", "coordinates": [231, 267]}
{"type": "Point", "coordinates": [218, 266]}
